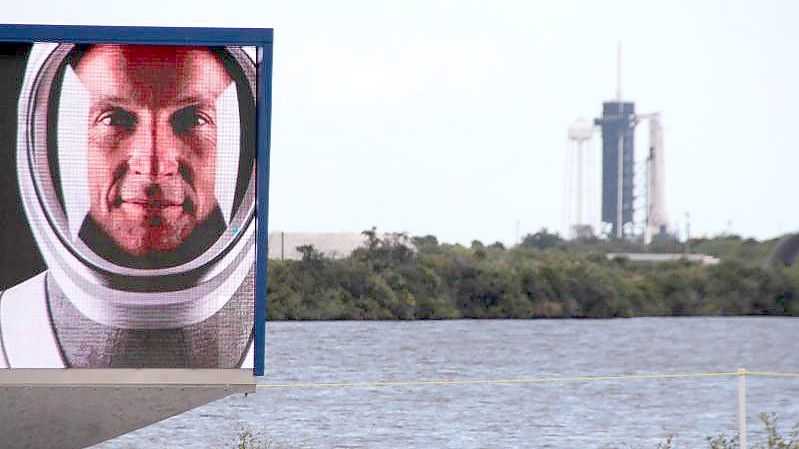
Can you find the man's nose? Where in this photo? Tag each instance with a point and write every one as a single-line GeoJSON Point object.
{"type": "Point", "coordinates": [154, 149]}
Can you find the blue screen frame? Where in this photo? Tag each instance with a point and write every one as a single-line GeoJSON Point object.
{"type": "Point", "coordinates": [258, 37]}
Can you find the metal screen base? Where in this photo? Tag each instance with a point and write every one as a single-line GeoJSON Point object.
{"type": "Point", "coordinates": [74, 408]}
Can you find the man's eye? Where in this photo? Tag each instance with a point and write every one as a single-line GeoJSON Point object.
{"type": "Point", "coordinates": [118, 118]}
{"type": "Point", "coordinates": [187, 118]}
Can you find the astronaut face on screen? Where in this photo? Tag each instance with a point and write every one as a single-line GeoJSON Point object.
{"type": "Point", "coordinates": [136, 172]}
{"type": "Point", "coordinates": [152, 137]}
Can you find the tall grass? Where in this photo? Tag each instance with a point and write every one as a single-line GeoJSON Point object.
{"type": "Point", "coordinates": [774, 439]}
{"type": "Point", "coordinates": [252, 439]}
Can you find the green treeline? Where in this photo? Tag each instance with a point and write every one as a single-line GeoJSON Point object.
{"type": "Point", "coordinates": [397, 277]}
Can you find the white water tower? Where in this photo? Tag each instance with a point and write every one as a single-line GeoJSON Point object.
{"type": "Point", "coordinates": [580, 133]}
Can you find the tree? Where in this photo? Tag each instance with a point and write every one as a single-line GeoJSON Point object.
{"type": "Point", "coordinates": [309, 253]}
{"type": "Point", "coordinates": [542, 240]}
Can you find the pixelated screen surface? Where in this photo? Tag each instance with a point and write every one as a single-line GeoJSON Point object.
{"type": "Point", "coordinates": [129, 190]}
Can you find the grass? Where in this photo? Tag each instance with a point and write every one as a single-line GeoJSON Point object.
{"type": "Point", "coordinates": [774, 438]}
{"type": "Point", "coordinates": [250, 439]}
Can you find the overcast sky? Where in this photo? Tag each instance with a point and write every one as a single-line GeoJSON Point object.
{"type": "Point", "coordinates": [450, 117]}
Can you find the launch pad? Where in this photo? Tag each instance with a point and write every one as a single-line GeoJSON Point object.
{"type": "Point", "coordinates": [633, 203]}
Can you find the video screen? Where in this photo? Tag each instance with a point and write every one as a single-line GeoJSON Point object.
{"type": "Point", "coordinates": [128, 203]}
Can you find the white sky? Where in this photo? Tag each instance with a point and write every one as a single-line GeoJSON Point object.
{"type": "Point", "coordinates": [450, 117]}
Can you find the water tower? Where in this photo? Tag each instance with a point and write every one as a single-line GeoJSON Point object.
{"type": "Point", "coordinates": [580, 133]}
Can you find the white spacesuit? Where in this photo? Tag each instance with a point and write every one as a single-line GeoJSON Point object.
{"type": "Point", "coordinates": [90, 309]}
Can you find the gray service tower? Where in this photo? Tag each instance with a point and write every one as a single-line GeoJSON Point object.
{"type": "Point", "coordinates": [618, 131]}
{"type": "Point", "coordinates": [618, 123]}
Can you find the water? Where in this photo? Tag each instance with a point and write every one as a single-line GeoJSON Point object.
{"type": "Point", "coordinates": [599, 414]}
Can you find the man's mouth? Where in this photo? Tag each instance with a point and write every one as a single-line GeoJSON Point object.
{"type": "Point", "coordinates": [152, 198]}
{"type": "Point", "coordinates": [150, 205]}
{"type": "Point", "coordinates": [154, 204]}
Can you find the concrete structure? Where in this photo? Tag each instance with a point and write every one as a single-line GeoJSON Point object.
{"type": "Point", "coordinates": [75, 408]}
{"type": "Point", "coordinates": [283, 245]}
{"type": "Point", "coordinates": [702, 259]}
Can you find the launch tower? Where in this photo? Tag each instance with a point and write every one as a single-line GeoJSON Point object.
{"type": "Point", "coordinates": [618, 123]}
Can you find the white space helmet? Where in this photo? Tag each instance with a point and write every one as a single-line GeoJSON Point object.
{"type": "Point", "coordinates": [54, 188]}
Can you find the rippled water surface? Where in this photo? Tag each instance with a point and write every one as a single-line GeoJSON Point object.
{"type": "Point", "coordinates": [599, 414]}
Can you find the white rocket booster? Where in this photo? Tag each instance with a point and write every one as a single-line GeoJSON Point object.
{"type": "Point", "coordinates": [657, 220]}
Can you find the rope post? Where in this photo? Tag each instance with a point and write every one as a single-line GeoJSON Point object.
{"type": "Point", "coordinates": [742, 408]}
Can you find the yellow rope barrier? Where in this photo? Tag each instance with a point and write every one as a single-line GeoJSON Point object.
{"type": "Point", "coordinates": [771, 374]}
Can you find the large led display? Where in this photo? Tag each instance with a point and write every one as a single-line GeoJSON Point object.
{"type": "Point", "coordinates": [134, 173]}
